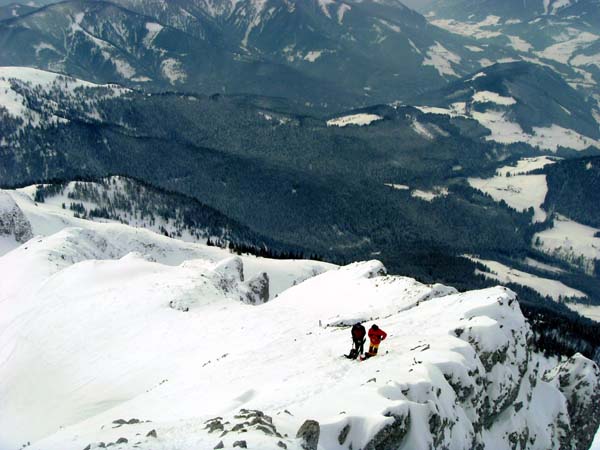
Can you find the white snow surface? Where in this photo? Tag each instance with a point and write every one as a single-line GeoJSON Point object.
{"type": "Point", "coordinates": [354, 119]}
{"type": "Point", "coordinates": [442, 60]}
{"type": "Point", "coordinates": [564, 51]}
{"type": "Point", "coordinates": [102, 321]}
{"type": "Point", "coordinates": [545, 286]}
{"type": "Point", "coordinates": [429, 196]}
{"type": "Point", "coordinates": [525, 165]}
{"type": "Point", "coordinates": [492, 97]}
{"type": "Point", "coordinates": [479, 30]}
{"type": "Point", "coordinates": [546, 138]}
{"type": "Point", "coordinates": [14, 102]}
{"type": "Point", "coordinates": [574, 242]}
{"type": "Point", "coordinates": [519, 192]}
{"type": "Point", "coordinates": [49, 221]}
{"type": "Point", "coordinates": [173, 71]}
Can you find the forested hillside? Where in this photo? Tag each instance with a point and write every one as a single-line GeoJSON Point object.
{"type": "Point", "coordinates": [573, 187]}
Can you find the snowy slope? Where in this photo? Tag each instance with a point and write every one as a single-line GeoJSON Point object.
{"type": "Point", "coordinates": [546, 287]}
{"type": "Point", "coordinates": [573, 242]}
{"type": "Point", "coordinates": [516, 187]}
{"type": "Point", "coordinates": [59, 233]}
{"type": "Point", "coordinates": [121, 332]}
{"type": "Point", "coordinates": [50, 87]}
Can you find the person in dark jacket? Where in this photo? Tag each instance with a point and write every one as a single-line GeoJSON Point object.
{"type": "Point", "coordinates": [358, 340]}
{"type": "Point", "coordinates": [376, 335]}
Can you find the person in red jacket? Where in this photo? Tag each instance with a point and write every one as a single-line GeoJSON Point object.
{"type": "Point", "coordinates": [376, 335]}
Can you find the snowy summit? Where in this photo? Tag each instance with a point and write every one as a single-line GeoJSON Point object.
{"type": "Point", "coordinates": [118, 336]}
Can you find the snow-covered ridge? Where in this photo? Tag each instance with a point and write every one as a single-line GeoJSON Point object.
{"type": "Point", "coordinates": [55, 93]}
{"type": "Point", "coordinates": [152, 343]}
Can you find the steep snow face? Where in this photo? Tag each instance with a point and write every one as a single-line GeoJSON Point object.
{"type": "Point", "coordinates": [135, 338]}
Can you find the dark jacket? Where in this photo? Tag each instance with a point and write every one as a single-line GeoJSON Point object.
{"type": "Point", "coordinates": [358, 332]}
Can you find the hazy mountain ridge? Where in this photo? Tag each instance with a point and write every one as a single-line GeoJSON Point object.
{"type": "Point", "coordinates": [560, 35]}
{"type": "Point", "coordinates": [324, 54]}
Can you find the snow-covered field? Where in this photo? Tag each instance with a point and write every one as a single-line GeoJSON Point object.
{"type": "Point", "coordinates": [117, 336]}
{"type": "Point", "coordinates": [571, 241]}
{"type": "Point", "coordinates": [545, 138]}
{"type": "Point", "coordinates": [518, 191]}
{"type": "Point", "coordinates": [354, 119]}
{"type": "Point", "coordinates": [495, 118]}
{"type": "Point", "coordinates": [442, 60]}
{"type": "Point", "coordinates": [546, 287]}
{"type": "Point", "coordinates": [429, 196]}
{"type": "Point", "coordinates": [567, 239]}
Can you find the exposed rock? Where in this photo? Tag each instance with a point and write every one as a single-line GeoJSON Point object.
{"type": "Point", "coordinates": [12, 220]}
{"type": "Point", "coordinates": [219, 445]}
{"type": "Point", "coordinates": [214, 425]}
{"type": "Point", "coordinates": [152, 433]}
{"type": "Point", "coordinates": [309, 433]}
{"type": "Point", "coordinates": [258, 289]}
{"type": "Point", "coordinates": [344, 434]}
{"type": "Point", "coordinates": [241, 444]}
{"type": "Point", "coordinates": [578, 379]}
{"type": "Point", "coordinates": [390, 437]}
{"type": "Point", "coordinates": [122, 441]}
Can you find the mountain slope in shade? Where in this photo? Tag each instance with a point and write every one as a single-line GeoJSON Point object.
{"type": "Point", "coordinates": [513, 9]}
{"type": "Point", "coordinates": [561, 35]}
{"type": "Point", "coordinates": [521, 102]}
{"type": "Point", "coordinates": [12, 10]}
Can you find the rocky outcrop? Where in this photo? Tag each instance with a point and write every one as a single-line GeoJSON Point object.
{"type": "Point", "coordinates": [249, 428]}
{"type": "Point", "coordinates": [229, 276]}
{"type": "Point", "coordinates": [391, 434]}
{"type": "Point", "coordinates": [578, 379]}
{"type": "Point", "coordinates": [12, 220]}
{"type": "Point", "coordinates": [258, 289]}
{"type": "Point", "coordinates": [309, 434]}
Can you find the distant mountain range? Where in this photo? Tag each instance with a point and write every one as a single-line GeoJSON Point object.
{"type": "Point", "coordinates": [514, 9]}
{"type": "Point", "coordinates": [330, 54]}
{"type": "Point", "coordinates": [560, 35]}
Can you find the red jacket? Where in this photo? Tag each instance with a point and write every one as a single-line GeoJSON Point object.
{"type": "Point", "coordinates": [376, 336]}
